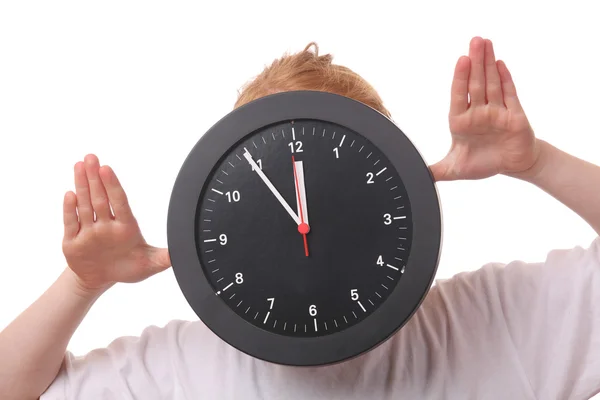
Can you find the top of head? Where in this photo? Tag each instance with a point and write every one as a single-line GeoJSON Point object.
{"type": "Point", "coordinates": [307, 70]}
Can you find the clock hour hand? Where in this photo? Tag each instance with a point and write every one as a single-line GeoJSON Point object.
{"type": "Point", "coordinates": [301, 194]}
{"type": "Point", "coordinates": [267, 182]}
{"type": "Point", "coordinates": [303, 227]}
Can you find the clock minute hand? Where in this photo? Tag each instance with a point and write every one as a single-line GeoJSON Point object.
{"type": "Point", "coordinates": [267, 182]}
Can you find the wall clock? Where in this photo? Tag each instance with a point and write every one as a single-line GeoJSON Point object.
{"type": "Point", "coordinates": [304, 228]}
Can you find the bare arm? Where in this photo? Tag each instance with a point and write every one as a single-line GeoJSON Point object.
{"type": "Point", "coordinates": [102, 247]}
{"type": "Point", "coordinates": [32, 347]}
{"type": "Point", "coordinates": [570, 180]}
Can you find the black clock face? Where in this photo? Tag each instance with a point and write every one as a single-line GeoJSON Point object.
{"type": "Point", "coordinates": [304, 228]}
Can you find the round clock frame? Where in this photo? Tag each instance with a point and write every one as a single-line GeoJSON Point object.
{"type": "Point", "coordinates": [420, 267]}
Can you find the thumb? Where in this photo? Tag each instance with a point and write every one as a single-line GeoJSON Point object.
{"type": "Point", "coordinates": [159, 259]}
{"type": "Point", "coordinates": [441, 170]}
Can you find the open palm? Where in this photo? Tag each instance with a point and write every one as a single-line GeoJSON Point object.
{"type": "Point", "coordinates": [102, 240]}
{"type": "Point", "coordinates": [490, 131]}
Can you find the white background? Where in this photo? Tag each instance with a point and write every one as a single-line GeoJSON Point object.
{"type": "Point", "coordinates": [138, 82]}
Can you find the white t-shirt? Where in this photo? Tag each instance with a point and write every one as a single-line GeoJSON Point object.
{"type": "Point", "coordinates": [515, 331]}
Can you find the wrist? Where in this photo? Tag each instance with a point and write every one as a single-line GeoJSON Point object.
{"type": "Point", "coordinates": [80, 289]}
{"type": "Point", "coordinates": [536, 170]}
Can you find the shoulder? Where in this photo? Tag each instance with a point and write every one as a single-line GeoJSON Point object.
{"type": "Point", "coordinates": [478, 323]}
{"type": "Point", "coordinates": [496, 287]}
{"type": "Point", "coordinates": [578, 262]}
{"type": "Point", "coordinates": [162, 360]}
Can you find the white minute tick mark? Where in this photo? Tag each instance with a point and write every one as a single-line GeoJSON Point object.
{"type": "Point", "coordinates": [361, 306]}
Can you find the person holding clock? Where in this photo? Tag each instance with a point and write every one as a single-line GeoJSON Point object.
{"type": "Point", "coordinates": [520, 330]}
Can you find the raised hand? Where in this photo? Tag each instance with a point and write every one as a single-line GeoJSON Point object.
{"type": "Point", "coordinates": [490, 131]}
{"type": "Point", "coordinates": [104, 246]}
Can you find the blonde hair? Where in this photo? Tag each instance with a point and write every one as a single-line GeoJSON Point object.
{"type": "Point", "coordinates": [307, 70]}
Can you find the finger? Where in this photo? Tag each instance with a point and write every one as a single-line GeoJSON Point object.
{"type": "Point", "coordinates": [493, 89]}
{"type": "Point", "coordinates": [159, 259]}
{"type": "Point", "coordinates": [98, 195]}
{"type": "Point", "coordinates": [437, 171]}
{"type": "Point", "coordinates": [509, 91]}
{"type": "Point", "coordinates": [477, 73]}
{"type": "Point", "coordinates": [70, 219]}
{"type": "Point", "coordinates": [448, 168]}
{"type": "Point", "coordinates": [441, 170]}
{"type": "Point", "coordinates": [84, 206]}
{"type": "Point", "coordinates": [116, 194]}
{"type": "Point", "coordinates": [459, 93]}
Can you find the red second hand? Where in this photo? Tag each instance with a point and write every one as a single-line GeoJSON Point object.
{"type": "Point", "coordinates": [303, 228]}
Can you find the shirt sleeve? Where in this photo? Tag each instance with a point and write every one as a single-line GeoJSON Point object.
{"type": "Point", "coordinates": [129, 368]}
{"type": "Point", "coordinates": [552, 313]}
